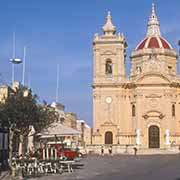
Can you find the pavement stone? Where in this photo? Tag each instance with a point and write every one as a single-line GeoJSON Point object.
{"type": "Point", "coordinates": [4, 175]}
{"type": "Point", "coordinates": [124, 167]}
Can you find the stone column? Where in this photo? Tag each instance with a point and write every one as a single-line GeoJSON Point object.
{"type": "Point", "coordinates": [52, 152]}
{"type": "Point", "coordinates": [47, 152]}
{"type": "Point", "coordinates": [44, 153]}
{"type": "Point", "coordinates": [55, 153]}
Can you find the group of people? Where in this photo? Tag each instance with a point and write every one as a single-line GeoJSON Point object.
{"type": "Point", "coordinates": [110, 150]}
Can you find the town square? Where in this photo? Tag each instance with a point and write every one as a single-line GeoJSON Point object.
{"type": "Point", "coordinates": [89, 91]}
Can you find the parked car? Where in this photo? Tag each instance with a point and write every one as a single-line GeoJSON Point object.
{"type": "Point", "coordinates": [67, 153]}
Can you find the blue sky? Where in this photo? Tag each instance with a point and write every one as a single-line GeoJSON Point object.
{"type": "Point", "coordinates": [61, 31]}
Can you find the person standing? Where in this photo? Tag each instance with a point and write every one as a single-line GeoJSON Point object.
{"type": "Point", "coordinates": [110, 150]}
{"type": "Point", "coordinates": [102, 151]}
{"type": "Point", "coordinates": [135, 150]}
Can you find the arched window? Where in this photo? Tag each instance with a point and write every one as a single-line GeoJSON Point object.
{"type": "Point", "coordinates": [173, 110]}
{"type": "Point", "coordinates": [133, 110]}
{"type": "Point", "coordinates": [109, 69]}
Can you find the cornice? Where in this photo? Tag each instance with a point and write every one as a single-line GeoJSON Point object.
{"type": "Point", "coordinates": [108, 42]}
{"type": "Point", "coordinates": [147, 52]}
{"type": "Point", "coordinates": [133, 85]}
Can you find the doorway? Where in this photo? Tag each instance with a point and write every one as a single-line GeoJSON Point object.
{"type": "Point", "coordinates": [154, 140]}
{"type": "Point", "coordinates": [108, 137]}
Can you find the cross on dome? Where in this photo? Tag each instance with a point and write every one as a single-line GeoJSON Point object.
{"type": "Point", "coordinates": [153, 9]}
{"type": "Point", "coordinates": [109, 28]}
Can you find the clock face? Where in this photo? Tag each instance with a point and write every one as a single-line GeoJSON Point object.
{"type": "Point", "coordinates": [108, 100]}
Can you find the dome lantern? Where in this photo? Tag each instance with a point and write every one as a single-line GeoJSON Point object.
{"type": "Point", "coordinates": [153, 24]}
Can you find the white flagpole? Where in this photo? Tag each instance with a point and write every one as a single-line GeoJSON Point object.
{"type": "Point", "coordinates": [24, 66]}
{"type": "Point", "coordinates": [14, 54]}
{"type": "Point", "coordinates": [57, 84]}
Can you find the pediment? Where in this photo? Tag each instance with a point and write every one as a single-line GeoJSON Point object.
{"type": "Point", "coordinates": [153, 113]}
{"type": "Point", "coordinates": [153, 79]}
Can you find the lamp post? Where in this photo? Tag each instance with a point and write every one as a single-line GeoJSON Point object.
{"type": "Point", "coordinates": [14, 60]}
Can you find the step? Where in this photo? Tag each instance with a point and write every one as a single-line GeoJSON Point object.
{"type": "Point", "coordinates": [157, 151]}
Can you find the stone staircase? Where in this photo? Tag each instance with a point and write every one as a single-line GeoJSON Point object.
{"type": "Point", "coordinates": [157, 151]}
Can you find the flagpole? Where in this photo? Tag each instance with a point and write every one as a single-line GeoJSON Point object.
{"type": "Point", "coordinates": [57, 84]}
{"type": "Point", "coordinates": [14, 54]}
{"type": "Point", "coordinates": [24, 66]}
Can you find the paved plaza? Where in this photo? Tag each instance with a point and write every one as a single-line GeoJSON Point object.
{"type": "Point", "coordinates": [123, 167]}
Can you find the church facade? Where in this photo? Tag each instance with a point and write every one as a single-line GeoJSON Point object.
{"type": "Point", "coordinates": [142, 108]}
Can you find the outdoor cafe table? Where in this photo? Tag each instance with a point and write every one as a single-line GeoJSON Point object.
{"type": "Point", "coordinates": [35, 167]}
{"type": "Point", "coordinates": [68, 164]}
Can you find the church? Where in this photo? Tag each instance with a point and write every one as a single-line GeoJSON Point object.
{"type": "Point", "coordinates": [141, 108]}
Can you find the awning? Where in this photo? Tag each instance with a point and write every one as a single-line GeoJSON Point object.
{"type": "Point", "coordinates": [59, 130]}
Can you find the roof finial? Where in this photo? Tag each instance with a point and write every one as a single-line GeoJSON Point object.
{"type": "Point", "coordinates": [109, 28]}
{"type": "Point", "coordinates": [109, 13]}
{"type": "Point", "coordinates": [153, 24]}
{"type": "Point", "coordinates": [153, 9]}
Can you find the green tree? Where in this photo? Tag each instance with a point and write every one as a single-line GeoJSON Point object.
{"type": "Point", "coordinates": [20, 110]}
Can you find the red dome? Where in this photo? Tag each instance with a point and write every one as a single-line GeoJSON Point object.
{"type": "Point", "coordinates": [154, 42]}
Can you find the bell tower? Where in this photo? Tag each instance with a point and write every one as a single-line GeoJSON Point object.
{"type": "Point", "coordinates": [109, 54]}
{"type": "Point", "coordinates": [109, 72]}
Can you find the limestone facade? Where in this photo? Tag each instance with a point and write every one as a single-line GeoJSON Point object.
{"type": "Point", "coordinates": [141, 108]}
{"type": "Point", "coordinates": [4, 91]}
{"type": "Point", "coordinates": [85, 129]}
{"type": "Point", "coordinates": [70, 120]}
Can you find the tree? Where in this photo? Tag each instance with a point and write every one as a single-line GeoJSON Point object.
{"type": "Point", "coordinates": [20, 110]}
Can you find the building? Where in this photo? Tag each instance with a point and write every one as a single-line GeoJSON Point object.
{"type": "Point", "coordinates": [140, 108]}
{"type": "Point", "coordinates": [85, 136]}
{"type": "Point", "coordinates": [70, 120]}
{"type": "Point", "coordinates": [59, 108]}
{"type": "Point", "coordinates": [4, 92]}
{"type": "Point", "coordinates": [66, 118]}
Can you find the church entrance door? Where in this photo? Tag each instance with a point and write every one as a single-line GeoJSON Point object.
{"type": "Point", "coordinates": [108, 137]}
{"type": "Point", "coordinates": [154, 140]}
